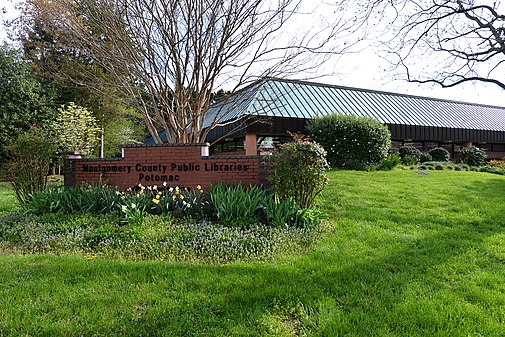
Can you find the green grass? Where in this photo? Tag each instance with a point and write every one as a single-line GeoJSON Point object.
{"type": "Point", "coordinates": [8, 200]}
{"type": "Point", "coordinates": [406, 255]}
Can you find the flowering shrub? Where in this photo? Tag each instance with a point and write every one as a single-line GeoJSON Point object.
{"type": "Point", "coordinates": [347, 137]}
{"type": "Point", "coordinates": [497, 163]}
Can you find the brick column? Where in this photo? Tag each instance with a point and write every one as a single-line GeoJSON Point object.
{"type": "Point", "coordinates": [467, 144]}
{"type": "Point", "coordinates": [251, 147]}
{"type": "Point", "coordinates": [69, 171]}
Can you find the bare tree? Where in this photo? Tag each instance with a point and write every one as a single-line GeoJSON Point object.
{"type": "Point", "coordinates": [447, 42]}
{"type": "Point", "coordinates": [170, 55]}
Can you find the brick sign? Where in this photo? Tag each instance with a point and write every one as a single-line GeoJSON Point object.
{"type": "Point", "coordinates": [185, 165]}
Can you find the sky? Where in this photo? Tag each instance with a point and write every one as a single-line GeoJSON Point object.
{"type": "Point", "coordinates": [366, 69]}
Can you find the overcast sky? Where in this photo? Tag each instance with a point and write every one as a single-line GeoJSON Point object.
{"type": "Point", "coordinates": [366, 69]}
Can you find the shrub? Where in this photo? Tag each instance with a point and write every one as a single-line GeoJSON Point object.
{"type": "Point", "coordinates": [346, 137]}
{"type": "Point", "coordinates": [473, 156]}
{"type": "Point", "coordinates": [440, 154]}
{"type": "Point", "coordinates": [389, 163]}
{"type": "Point", "coordinates": [28, 164]}
{"type": "Point", "coordinates": [357, 165]}
{"type": "Point", "coordinates": [410, 160]}
{"type": "Point", "coordinates": [296, 172]}
{"type": "Point", "coordinates": [409, 155]}
{"type": "Point", "coordinates": [425, 157]}
{"type": "Point", "coordinates": [493, 170]}
{"type": "Point", "coordinates": [497, 163]}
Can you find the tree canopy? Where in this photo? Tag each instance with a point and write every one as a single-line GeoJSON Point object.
{"type": "Point", "coordinates": [24, 102]}
{"type": "Point", "coordinates": [169, 56]}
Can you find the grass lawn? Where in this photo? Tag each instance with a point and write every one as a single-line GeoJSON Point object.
{"type": "Point", "coordinates": [8, 200]}
{"type": "Point", "coordinates": [406, 254]}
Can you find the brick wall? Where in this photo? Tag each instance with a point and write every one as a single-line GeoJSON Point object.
{"type": "Point", "coordinates": [175, 164]}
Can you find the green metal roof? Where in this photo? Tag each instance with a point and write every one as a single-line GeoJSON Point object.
{"type": "Point", "coordinates": [299, 99]}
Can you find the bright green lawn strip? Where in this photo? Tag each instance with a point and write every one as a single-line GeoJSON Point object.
{"type": "Point", "coordinates": [408, 255]}
{"type": "Point", "coordinates": [8, 200]}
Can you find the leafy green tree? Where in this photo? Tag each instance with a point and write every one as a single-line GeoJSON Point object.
{"type": "Point", "coordinates": [76, 78]}
{"type": "Point", "coordinates": [24, 102]}
{"type": "Point", "coordinates": [77, 129]}
{"type": "Point", "coordinates": [29, 158]}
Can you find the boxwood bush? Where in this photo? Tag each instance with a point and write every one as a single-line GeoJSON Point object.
{"type": "Point", "coordinates": [473, 156]}
{"type": "Point", "coordinates": [440, 154]}
{"type": "Point", "coordinates": [350, 139]}
{"type": "Point", "coordinates": [410, 155]}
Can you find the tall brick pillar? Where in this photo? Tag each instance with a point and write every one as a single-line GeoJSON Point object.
{"type": "Point", "coordinates": [69, 173]}
{"type": "Point", "coordinates": [251, 147]}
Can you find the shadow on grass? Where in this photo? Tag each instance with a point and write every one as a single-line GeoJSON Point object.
{"type": "Point", "coordinates": [368, 279]}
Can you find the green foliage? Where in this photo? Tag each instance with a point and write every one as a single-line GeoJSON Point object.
{"type": "Point", "coordinates": [473, 156]}
{"type": "Point", "coordinates": [389, 163]}
{"type": "Point", "coordinates": [131, 206]}
{"type": "Point", "coordinates": [81, 199]}
{"type": "Point", "coordinates": [236, 205]}
{"type": "Point", "coordinates": [77, 129]}
{"type": "Point", "coordinates": [283, 214]}
{"type": "Point", "coordinates": [296, 172]}
{"type": "Point", "coordinates": [439, 154]}
{"type": "Point", "coordinates": [497, 163]}
{"type": "Point", "coordinates": [410, 155]}
{"type": "Point", "coordinates": [425, 157]}
{"type": "Point", "coordinates": [156, 238]}
{"type": "Point", "coordinates": [24, 102]}
{"type": "Point", "coordinates": [29, 159]}
{"type": "Point", "coordinates": [347, 137]}
{"type": "Point", "coordinates": [443, 165]}
{"type": "Point", "coordinates": [492, 169]}
{"type": "Point", "coordinates": [178, 202]}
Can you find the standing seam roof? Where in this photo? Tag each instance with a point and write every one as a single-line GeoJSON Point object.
{"type": "Point", "coordinates": [298, 99]}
